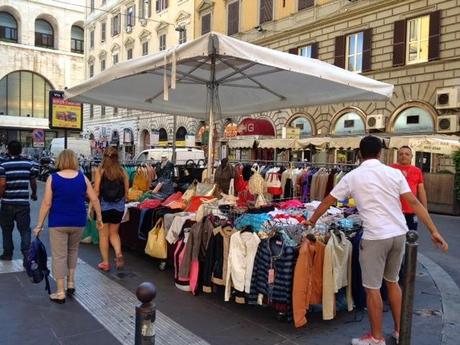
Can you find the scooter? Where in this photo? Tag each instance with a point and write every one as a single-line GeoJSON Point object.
{"type": "Point", "coordinates": [47, 167]}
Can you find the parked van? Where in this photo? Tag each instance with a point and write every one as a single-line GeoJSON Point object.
{"type": "Point", "coordinates": [77, 145]}
{"type": "Point", "coordinates": [182, 155]}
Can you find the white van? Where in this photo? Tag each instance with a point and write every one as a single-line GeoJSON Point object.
{"type": "Point", "coordinates": [182, 155]}
{"type": "Point", "coordinates": [77, 145]}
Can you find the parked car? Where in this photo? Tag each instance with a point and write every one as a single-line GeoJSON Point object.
{"type": "Point", "coordinates": [183, 155]}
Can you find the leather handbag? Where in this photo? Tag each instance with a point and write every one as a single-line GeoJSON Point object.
{"type": "Point", "coordinates": [156, 245]}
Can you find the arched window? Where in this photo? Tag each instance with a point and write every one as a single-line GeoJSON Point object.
{"type": "Point", "coordinates": [230, 130]}
{"type": "Point", "coordinates": [413, 120]}
{"type": "Point", "coordinates": [162, 135]}
{"type": "Point", "coordinates": [24, 93]}
{"type": "Point", "coordinates": [349, 123]}
{"type": "Point", "coordinates": [181, 133]}
{"type": "Point", "coordinates": [303, 124]}
{"type": "Point", "coordinates": [77, 40]}
{"type": "Point", "coordinates": [44, 34]}
{"type": "Point", "coordinates": [145, 137]}
{"type": "Point", "coordinates": [8, 27]}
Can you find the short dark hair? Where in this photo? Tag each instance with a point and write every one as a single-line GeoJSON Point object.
{"type": "Point", "coordinates": [406, 147]}
{"type": "Point", "coordinates": [370, 147]}
{"type": "Point", "coordinates": [14, 148]}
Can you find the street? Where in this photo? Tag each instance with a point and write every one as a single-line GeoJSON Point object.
{"type": "Point", "coordinates": [103, 308]}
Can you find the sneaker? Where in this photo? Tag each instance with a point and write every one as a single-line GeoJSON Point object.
{"type": "Point", "coordinates": [367, 339]}
{"type": "Point", "coordinates": [395, 336]}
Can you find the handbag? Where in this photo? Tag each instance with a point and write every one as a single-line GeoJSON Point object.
{"type": "Point", "coordinates": [205, 189]}
{"type": "Point", "coordinates": [256, 182]}
{"type": "Point", "coordinates": [156, 245]}
{"type": "Point", "coordinates": [274, 184]}
{"type": "Point", "coordinates": [189, 193]}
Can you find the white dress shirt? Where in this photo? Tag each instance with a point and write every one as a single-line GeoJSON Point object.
{"type": "Point", "coordinates": [376, 189]}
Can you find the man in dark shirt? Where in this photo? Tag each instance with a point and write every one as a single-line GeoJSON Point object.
{"type": "Point", "coordinates": [15, 176]}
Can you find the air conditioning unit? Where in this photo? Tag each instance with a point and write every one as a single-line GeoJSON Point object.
{"type": "Point", "coordinates": [143, 22]}
{"type": "Point", "coordinates": [129, 29]}
{"type": "Point", "coordinates": [377, 121]}
{"type": "Point", "coordinates": [448, 98]}
{"type": "Point", "coordinates": [448, 124]}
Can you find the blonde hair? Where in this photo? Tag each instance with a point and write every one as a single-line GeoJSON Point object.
{"type": "Point", "coordinates": [110, 166]}
{"type": "Point", "coordinates": [67, 160]}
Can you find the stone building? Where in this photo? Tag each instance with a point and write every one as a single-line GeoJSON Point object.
{"type": "Point", "coordinates": [41, 45]}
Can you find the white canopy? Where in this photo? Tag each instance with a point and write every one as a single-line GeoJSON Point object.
{"type": "Point", "coordinates": [442, 144]}
{"type": "Point", "coordinates": [248, 79]}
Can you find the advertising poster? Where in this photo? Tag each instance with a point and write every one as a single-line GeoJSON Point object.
{"type": "Point", "coordinates": [65, 114]}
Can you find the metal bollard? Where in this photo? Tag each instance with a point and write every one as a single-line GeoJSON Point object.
{"type": "Point", "coordinates": [410, 267]}
{"type": "Point", "coordinates": [145, 314]}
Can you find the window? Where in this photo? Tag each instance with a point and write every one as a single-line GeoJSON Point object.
{"type": "Point", "coordinates": [309, 50]}
{"type": "Point", "coordinates": [129, 53]}
{"type": "Point", "coordinates": [305, 51]}
{"type": "Point", "coordinates": [182, 35]}
{"type": "Point", "coordinates": [161, 5]}
{"type": "Point", "coordinates": [76, 42]}
{"type": "Point", "coordinates": [116, 23]}
{"type": "Point", "coordinates": [233, 18]}
{"type": "Point", "coordinates": [266, 11]}
{"type": "Point", "coordinates": [91, 70]}
{"type": "Point", "coordinates": [44, 34]}
{"type": "Point", "coordinates": [24, 93]}
{"type": "Point", "coordinates": [304, 125]}
{"type": "Point", "coordinates": [130, 17]}
{"type": "Point", "coordinates": [205, 23]}
{"type": "Point", "coordinates": [91, 39]}
{"type": "Point", "coordinates": [102, 111]}
{"type": "Point", "coordinates": [303, 4]}
{"type": "Point", "coordinates": [115, 111]}
{"type": "Point", "coordinates": [162, 42]}
{"type": "Point", "coordinates": [349, 123]}
{"type": "Point", "coordinates": [414, 120]}
{"type": "Point", "coordinates": [8, 28]}
{"type": "Point", "coordinates": [115, 59]}
{"type": "Point", "coordinates": [145, 9]}
{"type": "Point", "coordinates": [103, 2]}
{"type": "Point", "coordinates": [417, 39]}
{"type": "Point", "coordinates": [354, 52]}
{"type": "Point", "coordinates": [102, 65]}
{"type": "Point", "coordinates": [145, 48]}
{"type": "Point", "coordinates": [91, 111]}
{"type": "Point", "coordinates": [103, 31]}
{"type": "Point", "coordinates": [91, 6]}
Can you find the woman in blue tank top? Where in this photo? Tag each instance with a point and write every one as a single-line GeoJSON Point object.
{"type": "Point", "coordinates": [64, 204]}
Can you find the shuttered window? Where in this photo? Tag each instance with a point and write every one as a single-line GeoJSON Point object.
{"type": "Point", "coordinates": [417, 40]}
{"type": "Point", "coordinates": [205, 23]}
{"type": "Point", "coordinates": [310, 51]}
{"type": "Point", "coordinates": [161, 5]}
{"type": "Point", "coordinates": [367, 50]}
{"type": "Point", "coordinates": [303, 4]}
{"type": "Point", "coordinates": [233, 19]}
{"type": "Point", "coordinates": [339, 58]}
{"type": "Point", "coordinates": [354, 51]}
{"type": "Point", "coordinates": [266, 11]}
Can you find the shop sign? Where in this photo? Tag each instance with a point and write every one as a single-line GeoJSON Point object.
{"type": "Point", "coordinates": [231, 130]}
{"type": "Point", "coordinates": [251, 126]}
{"type": "Point", "coordinates": [291, 133]}
{"type": "Point", "coordinates": [38, 138]}
{"type": "Point", "coordinates": [64, 114]}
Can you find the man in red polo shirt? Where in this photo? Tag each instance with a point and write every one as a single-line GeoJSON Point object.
{"type": "Point", "coordinates": [414, 178]}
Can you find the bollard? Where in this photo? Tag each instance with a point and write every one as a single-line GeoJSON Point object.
{"type": "Point", "coordinates": [145, 315]}
{"type": "Point", "coordinates": [410, 267]}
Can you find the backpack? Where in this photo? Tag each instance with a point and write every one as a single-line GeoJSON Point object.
{"type": "Point", "coordinates": [36, 264]}
{"type": "Point", "coordinates": [112, 190]}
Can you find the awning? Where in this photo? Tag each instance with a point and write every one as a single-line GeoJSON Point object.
{"type": "Point", "coordinates": [444, 144]}
{"type": "Point", "coordinates": [277, 143]}
{"type": "Point", "coordinates": [241, 143]}
{"type": "Point", "coordinates": [345, 142]}
{"type": "Point", "coordinates": [321, 141]}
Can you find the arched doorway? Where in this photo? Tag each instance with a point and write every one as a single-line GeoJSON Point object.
{"type": "Point", "coordinates": [180, 136]}
{"type": "Point", "coordinates": [128, 144]}
{"type": "Point", "coordinates": [163, 137]}
{"type": "Point", "coordinates": [145, 140]}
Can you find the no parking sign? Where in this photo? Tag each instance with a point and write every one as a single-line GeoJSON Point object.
{"type": "Point", "coordinates": [38, 137]}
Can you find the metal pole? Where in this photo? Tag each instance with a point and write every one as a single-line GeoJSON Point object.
{"type": "Point", "coordinates": [145, 315]}
{"type": "Point", "coordinates": [410, 268]}
{"type": "Point", "coordinates": [174, 140]}
{"type": "Point", "coordinates": [65, 139]}
{"type": "Point", "coordinates": [212, 87]}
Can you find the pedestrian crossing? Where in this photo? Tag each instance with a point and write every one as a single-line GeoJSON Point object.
{"type": "Point", "coordinates": [113, 306]}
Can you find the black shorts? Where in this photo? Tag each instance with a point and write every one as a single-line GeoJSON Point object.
{"type": "Point", "coordinates": [112, 217]}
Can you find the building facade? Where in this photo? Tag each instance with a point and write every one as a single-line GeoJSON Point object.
{"type": "Point", "coordinates": [42, 47]}
{"type": "Point", "coordinates": [119, 30]}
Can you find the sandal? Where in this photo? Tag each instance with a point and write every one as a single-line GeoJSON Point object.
{"type": "Point", "coordinates": [119, 262]}
{"type": "Point", "coordinates": [58, 297]}
{"type": "Point", "coordinates": [70, 288]}
{"type": "Point", "coordinates": [104, 266]}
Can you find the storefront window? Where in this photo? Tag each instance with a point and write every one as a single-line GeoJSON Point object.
{"type": "Point", "coordinates": [414, 120]}
{"type": "Point", "coordinates": [349, 124]}
{"type": "Point", "coordinates": [24, 93]}
{"type": "Point", "coordinates": [304, 125]}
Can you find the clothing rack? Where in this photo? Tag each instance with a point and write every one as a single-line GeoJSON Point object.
{"type": "Point", "coordinates": [294, 163]}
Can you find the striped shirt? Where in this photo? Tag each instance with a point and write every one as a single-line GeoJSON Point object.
{"type": "Point", "coordinates": [17, 172]}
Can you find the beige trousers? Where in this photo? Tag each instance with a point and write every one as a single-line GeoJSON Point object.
{"type": "Point", "coordinates": [64, 249]}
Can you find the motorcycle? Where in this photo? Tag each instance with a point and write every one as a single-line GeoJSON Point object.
{"type": "Point", "coordinates": [47, 167]}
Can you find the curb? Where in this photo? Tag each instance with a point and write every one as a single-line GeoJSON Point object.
{"type": "Point", "coordinates": [450, 299]}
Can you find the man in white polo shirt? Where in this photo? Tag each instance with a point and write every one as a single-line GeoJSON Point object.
{"type": "Point", "coordinates": [377, 189]}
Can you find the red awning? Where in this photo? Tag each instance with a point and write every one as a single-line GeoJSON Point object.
{"type": "Point", "coordinates": [252, 127]}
